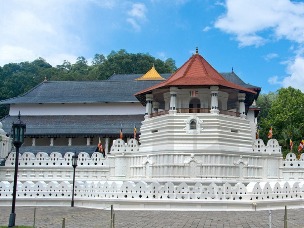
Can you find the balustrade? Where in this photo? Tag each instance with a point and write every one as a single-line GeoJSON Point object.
{"type": "Point", "coordinates": [195, 110]}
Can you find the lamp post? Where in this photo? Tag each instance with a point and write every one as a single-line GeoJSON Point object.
{"type": "Point", "coordinates": [18, 130]}
{"type": "Point", "coordinates": [74, 164]}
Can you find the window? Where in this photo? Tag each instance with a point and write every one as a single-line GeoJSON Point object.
{"type": "Point", "coordinates": [194, 105]}
{"type": "Point", "coordinates": [192, 125]}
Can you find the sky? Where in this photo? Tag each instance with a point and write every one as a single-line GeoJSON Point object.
{"type": "Point", "coordinates": [262, 40]}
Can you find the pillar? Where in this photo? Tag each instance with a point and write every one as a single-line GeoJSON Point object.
{"type": "Point", "coordinates": [167, 101]}
{"type": "Point", "coordinates": [173, 92]}
{"type": "Point", "coordinates": [149, 99]}
{"type": "Point", "coordinates": [241, 97]}
{"type": "Point", "coordinates": [224, 101]}
{"type": "Point", "coordinates": [51, 141]}
{"type": "Point", "coordinates": [88, 141]}
{"type": "Point", "coordinates": [33, 141]}
{"type": "Point", "coordinates": [107, 145]}
{"type": "Point", "coordinates": [155, 106]}
{"type": "Point", "coordinates": [70, 142]}
{"type": "Point", "coordinates": [214, 99]}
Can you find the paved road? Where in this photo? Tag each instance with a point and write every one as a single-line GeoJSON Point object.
{"type": "Point", "coordinates": [96, 218]}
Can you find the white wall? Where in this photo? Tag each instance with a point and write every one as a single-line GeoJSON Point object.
{"type": "Point", "coordinates": [77, 109]}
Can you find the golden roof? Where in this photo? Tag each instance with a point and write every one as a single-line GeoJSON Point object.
{"type": "Point", "coordinates": [152, 74]}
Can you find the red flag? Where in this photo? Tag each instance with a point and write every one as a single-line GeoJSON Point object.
{"type": "Point", "coordinates": [270, 133]}
{"type": "Point", "coordinates": [257, 134]}
{"type": "Point", "coordinates": [135, 132]}
{"type": "Point", "coordinates": [120, 134]}
{"type": "Point", "coordinates": [301, 145]}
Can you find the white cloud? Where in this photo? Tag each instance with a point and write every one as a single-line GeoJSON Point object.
{"type": "Point", "coordinates": [257, 22]}
{"type": "Point", "coordinates": [32, 29]}
{"type": "Point", "coordinates": [296, 74]}
{"type": "Point", "coordinates": [138, 11]}
{"type": "Point", "coordinates": [206, 29]}
{"type": "Point", "coordinates": [274, 80]}
{"type": "Point", "coordinates": [137, 15]}
{"type": "Point", "coordinates": [134, 24]}
{"type": "Point", "coordinates": [271, 56]}
{"type": "Point", "coordinates": [108, 4]}
{"type": "Point", "coordinates": [247, 18]}
{"type": "Point", "coordinates": [47, 29]}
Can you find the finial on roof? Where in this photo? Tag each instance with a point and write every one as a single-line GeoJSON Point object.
{"type": "Point", "coordinates": [45, 79]}
{"type": "Point", "coordinates": [196, 50]}
{"type": "Point", "coordinates": [152, 74]}
{"type": "Point", "coordinates": [19, 116]}
{"type": "Point", "coordinates": [232, 70]}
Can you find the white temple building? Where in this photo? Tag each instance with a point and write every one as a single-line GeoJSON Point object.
{"type": "Point", "coordinates": [195, 147]}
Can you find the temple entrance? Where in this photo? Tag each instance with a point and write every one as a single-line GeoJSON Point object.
{"type": "Point", "coordinates": [194, 105]}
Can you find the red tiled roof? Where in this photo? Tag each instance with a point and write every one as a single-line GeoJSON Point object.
{"type": "Point", "coordinates": [196, 72]}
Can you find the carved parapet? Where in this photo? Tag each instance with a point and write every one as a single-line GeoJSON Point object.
{"type": "Point", "coordinates": [272, 146]}
{"type": "Point", "coordinates": [132, 146]}
{"type": "Point", "coordinates": [119, 146]}
{"type": "Point", "coordinates": [55, 159]}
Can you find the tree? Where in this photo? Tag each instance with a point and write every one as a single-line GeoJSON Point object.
{"type": "Point", "coordinates": [264, 102]}
{"type": "Point", "coordinates": [286, 117]}
{"type": "Point", "coordinates": [98, 59]}
{"type": "Point", "coordinates": [18, 78]}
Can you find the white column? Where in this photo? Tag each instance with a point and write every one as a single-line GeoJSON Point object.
{"type": "Point", "coordinates": [70, 142]}
{"type": "Point", "coordinates": [107, 145]}
{"type": "Point", "coordinates": [88, 141]}
{"type": "Point", "coordinates": [224, 100]}
{"type": "Point", "coordinates": [33, 141]}
{"type": "Point", "coordinates": [173, 92]}
{"type": "Point", "coordinates": [167, 101]}
{"type": "Point", "coordinates": [149, 99]}
{"type": "Point", "coordinates": [51, 141]}
{"type": "Point", "coordinates": [241, 97]}
{"type": "Point", "coordinates": [214, 99]}
{"type": "Point", "coordinates": [155, 106]}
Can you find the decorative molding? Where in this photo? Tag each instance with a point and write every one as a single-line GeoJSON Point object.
{"type": "Point", "coordinates": [198, 125]}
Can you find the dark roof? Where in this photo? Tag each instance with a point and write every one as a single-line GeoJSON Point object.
{"type": "Point", "coordinates": [82, 92]}
{"type": "Point", "coordinates": [76, 125]}
{"type": "Point", "coordinates": [118, 88]}
{"type": "Point", "coordinates": [232, 77]}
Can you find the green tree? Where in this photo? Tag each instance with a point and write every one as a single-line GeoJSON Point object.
{"type": "Point", "coordinates": [286, 117]}
{"type": "Point", "coordinates": [18, 78]}
{"type": "Point", "coordinates": [264, 102]}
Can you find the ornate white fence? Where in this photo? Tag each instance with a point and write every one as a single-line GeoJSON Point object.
{"type": "Point", "coordinates": [154, 190]}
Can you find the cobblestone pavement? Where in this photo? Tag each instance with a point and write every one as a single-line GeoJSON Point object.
{"type": "Point", "coordinates": [84, 217]}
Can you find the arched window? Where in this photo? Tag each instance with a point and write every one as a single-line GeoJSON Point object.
{"type": "Point", "coordinates": [192, 125]}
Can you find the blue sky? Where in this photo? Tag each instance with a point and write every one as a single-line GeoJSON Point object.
{"type": "Point", "coordinates": [263, 40]}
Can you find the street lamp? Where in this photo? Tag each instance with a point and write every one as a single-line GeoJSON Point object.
{"type": "Point", "coordinates": [18, 130]}
{"type": "Point", "coordinates": [74, 164]}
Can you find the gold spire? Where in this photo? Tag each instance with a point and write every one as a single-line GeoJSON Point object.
{"type": "Point", "coordinates": [152, 74]}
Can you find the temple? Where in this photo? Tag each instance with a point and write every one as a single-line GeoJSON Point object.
{"type": "Point", "coordinates": [188, 135]}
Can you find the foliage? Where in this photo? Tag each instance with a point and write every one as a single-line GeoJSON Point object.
{"type": "Point", "coordinates": [264, 102]}
{"type": "Point", "coordinates": [18, 78]}
{"type": "Point", "coordinates": [285, 115]}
